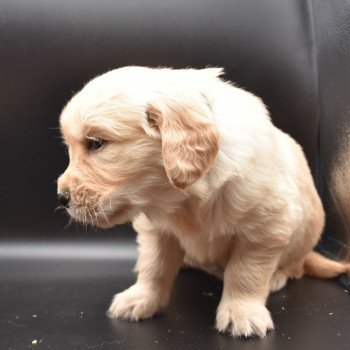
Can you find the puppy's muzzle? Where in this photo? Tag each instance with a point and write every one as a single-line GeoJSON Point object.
{"type": "Point", "coordinates": [63, 199]}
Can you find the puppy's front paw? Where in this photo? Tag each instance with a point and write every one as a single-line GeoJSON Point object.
{"type": "Point", "coordinates": [243, 318]}
{"type": "Point", "coordinates": [135, 303]}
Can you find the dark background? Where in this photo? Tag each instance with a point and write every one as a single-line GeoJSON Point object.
{"type": "Point", "coordinates": [295, 54]}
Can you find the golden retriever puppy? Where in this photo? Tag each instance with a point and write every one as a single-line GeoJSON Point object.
{"type": "Point", "coordinates": [207, 180]}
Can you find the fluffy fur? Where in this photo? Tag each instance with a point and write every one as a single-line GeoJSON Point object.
{"type": "Point", "coordinates": [207, 180]}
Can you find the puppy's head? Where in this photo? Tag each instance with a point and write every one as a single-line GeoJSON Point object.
{"type": "Point", "coordinates": [137, 139]}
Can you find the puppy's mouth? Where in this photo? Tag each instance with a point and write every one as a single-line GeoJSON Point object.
{"type": "Point", "coordinates": [102, 218]}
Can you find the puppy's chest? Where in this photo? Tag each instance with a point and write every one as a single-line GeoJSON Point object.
{"type": "Point", "coordinates": [199, 241]}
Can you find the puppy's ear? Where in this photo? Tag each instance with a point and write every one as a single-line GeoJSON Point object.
{"type": "Point", "coordinates": [190, 141]}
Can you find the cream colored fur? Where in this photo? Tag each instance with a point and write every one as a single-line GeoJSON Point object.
{"type": "Point", "coordinates": [196, 164]}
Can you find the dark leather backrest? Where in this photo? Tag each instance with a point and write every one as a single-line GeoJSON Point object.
{"type": "Point", "coordinates": [50, 49]}
{"type": "Point", "coordinates": [332, 39]}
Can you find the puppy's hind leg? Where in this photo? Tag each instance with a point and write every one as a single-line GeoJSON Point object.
{"type": "Point", "coordinates": [278, 281]}
{"type": "Point", "coordinates": [210, 269]}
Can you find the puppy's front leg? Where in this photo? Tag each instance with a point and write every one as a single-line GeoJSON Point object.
{"type": "Point", "coordinates": [242, 310]}
{"type": "Point", "coordinates": [160, 258]}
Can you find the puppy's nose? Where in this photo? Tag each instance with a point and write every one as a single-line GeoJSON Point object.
{"type": "Point", "coordinates": [63, 199]}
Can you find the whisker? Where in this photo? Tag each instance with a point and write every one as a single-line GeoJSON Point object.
{"type": "Point", "coordinates": [68, 224]}
{"type": "Point", "coordinates": [91, 222]}
{"type": "Point", "coordinates": [59, 207]}
{"type": "Point", "coordinates": [104, 214]}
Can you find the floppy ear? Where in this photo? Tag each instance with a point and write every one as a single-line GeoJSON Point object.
{"type": "Point", "coordinates": [190, 141]}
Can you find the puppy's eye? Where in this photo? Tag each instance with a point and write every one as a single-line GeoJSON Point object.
{"type": "Point", "coordinates": [94, 144]}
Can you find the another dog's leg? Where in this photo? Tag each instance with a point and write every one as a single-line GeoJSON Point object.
{"type": "Point", "coordinates": [242, 309]}
{"type": "Point", "coordinates": [160, 258]}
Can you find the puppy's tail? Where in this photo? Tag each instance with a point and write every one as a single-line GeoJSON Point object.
{"type": "Point", "coordinates": [317, 265]}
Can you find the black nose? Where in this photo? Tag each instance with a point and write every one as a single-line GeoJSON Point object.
{"type": "Point", "coordinates": [63, 199]}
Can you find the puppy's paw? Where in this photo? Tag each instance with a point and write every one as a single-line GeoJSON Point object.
{"type": "Point", "coordinates": [135, 303]}
{"type": "Point", "coordinates": [278, 281]}
{"type": "Point", "coordinates": [243, 318]}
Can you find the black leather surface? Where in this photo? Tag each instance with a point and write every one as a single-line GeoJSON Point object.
{"type": "Point", "coordinates": [61, 302]}
{"type": "Point", "coordinates": [333, 60]}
